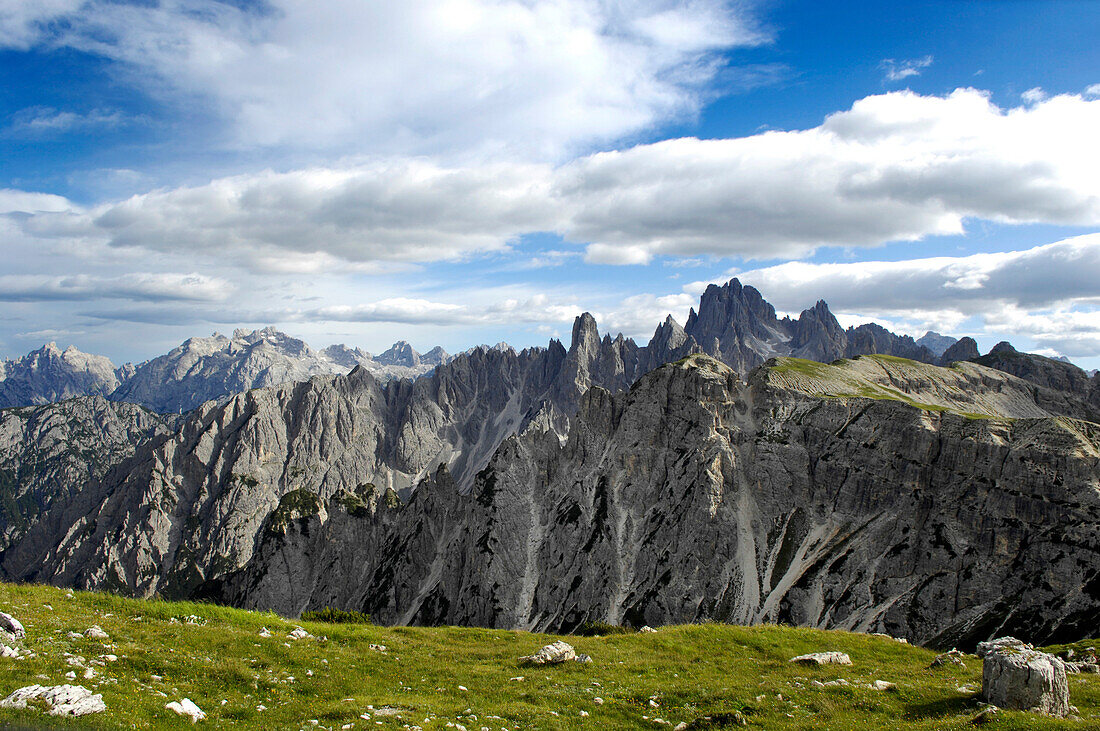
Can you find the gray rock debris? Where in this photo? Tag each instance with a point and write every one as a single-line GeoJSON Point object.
{"type": "Point", "coordinates": [12, 626]}
{"type": "Point", "coordinates": [951, 657]}
{"type": "Point", "coordinates": [63, 700]}
{"type": "Point", "coordinates": [823, 658]}
{"type": "Point", "coordinates": [1018, 677]}
{"type": "Point", "coordinates": [552, 654]}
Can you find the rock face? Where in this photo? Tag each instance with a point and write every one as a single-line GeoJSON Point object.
{"type": "Point", "coordinates": [964, 349]}
{"type": "Point", "coordinates": [554, 486]}
{"type": "Point", "coordinates": [51, 453]}
{"type": "Point", "coordinates": [1054, 374]}
{"type": "Point", "coordinates": [244, 469]}
{"type": "Point", "coordinates": [1018, 677]}
{"type": "Point", "coordinates": [940, 505]}
{"type": "Point", "coordinates": [50, 374]}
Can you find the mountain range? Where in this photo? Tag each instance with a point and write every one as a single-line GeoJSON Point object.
{"type": "Point", "coordinates": [741, 467]}
{"type": "Point", "coordinates": [733, 324]}
{"type": "Point", "coordinates": [198, 370]}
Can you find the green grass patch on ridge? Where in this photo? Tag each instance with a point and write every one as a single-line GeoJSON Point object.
{"type": "Point", "coordinates": [217, 657]}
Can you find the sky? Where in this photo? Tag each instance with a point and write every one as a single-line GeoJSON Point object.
{"type": "Point", "coordinates": [456, 172]}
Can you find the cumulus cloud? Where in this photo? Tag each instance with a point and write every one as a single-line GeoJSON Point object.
{"type": "Point", "coordinates": [136, 286]}
{"type": "Point", "coordinates": [21, 201]}
{"type": "Point", "coordinates": [897, 70]}
{"type": "Point", "coordinates": [399, 211]}
{"type": "Point", "coordinates": [897, 166]}
{"type": "Point", "coordinates": [1039, 277]}
{"type": "Point", "coordinates": [418, 75]}
{"type": "Point", "coordinates": [412, 311]}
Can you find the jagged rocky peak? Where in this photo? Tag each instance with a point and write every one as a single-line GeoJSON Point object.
{"type": "Point", "coordinates": [731, 309]}
{"type": "Point", "coordinates": [1039, 369]}
{"type": "Point", "coordinates": [435, 356]}
{"type": "Point", "coordinates": [344, 356]}
{"type": "Point", "coordinates": [817, 335]}
{"type": "Point", "coordinates": [51, 374]}
{"type": "Point", "coordinates": [271, 336]}
{"type": "Point", "coordinates": [586, 335]}
{"type": "Point", "coordinates": [962, 349]}
{"type": "Point", "coordinates": [401, 354]}
{"type": "Point", "coordinates": [937, 344]}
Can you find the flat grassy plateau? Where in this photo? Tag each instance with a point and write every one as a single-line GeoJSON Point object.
{"type": "Point", "coordinates": [432, 677]}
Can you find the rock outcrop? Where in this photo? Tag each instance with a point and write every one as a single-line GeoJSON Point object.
{"type": "Point", "coordinates": [49, 454]}
{"type": "Point", "coordinates": [60, 700]}
{"type": "Point", "coordinates": [1057, 375]}
{"type": "Point", "coordinates": [962, 349]}
{"type": "Point", "coordinates": [1018, 677]}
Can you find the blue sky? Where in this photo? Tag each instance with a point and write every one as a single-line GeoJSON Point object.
{"type": "Point", "coordinates": [463, 171]}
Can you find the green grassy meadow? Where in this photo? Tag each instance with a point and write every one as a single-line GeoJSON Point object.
{"type": "Point", "coordinates": [431, 677]}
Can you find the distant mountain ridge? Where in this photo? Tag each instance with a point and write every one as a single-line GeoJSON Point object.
{"type": "Point", "coordinates": [733, 323]}
{"type": "Point", "coordinates": [197, 370]}
{"type": "Point", "coordinates": [50, 374]}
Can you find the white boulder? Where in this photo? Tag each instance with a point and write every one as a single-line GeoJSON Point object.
{"type": "Point", "coordinates": [1018, 677]}
{"type": "Point", "coordinates": [551, 654]}
{"type": "Point", "coordinates": [63, 700]}
{"type": "Point", "coordinates": [187, 707]}
{"type": "Point", "coordinates": [12, 625]}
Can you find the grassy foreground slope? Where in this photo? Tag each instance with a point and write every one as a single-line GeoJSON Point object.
{"type": "Point", "coordinates": [430, 677]}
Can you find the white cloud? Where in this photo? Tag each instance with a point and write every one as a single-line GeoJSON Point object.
{"type": "Point", "coordinates": [638, 315]}
{"type": "Point", "coordinates": [401, 211]}
{"type": "Point", "coordinates": [897, 166]}
{"type": "Point", "coordinates": [1060, 331]}
{"type": "Point", "coordinates": [417, 75]}
{"type": "Point", "coordinates": [23, 22]}
{"type": "Point", "coordinates": [47, 120]}
{"type": "Point", "coordinates": [898, 70]}
{"type": "Point", "coordinates": [136, 286]}
{"type": "Point", "coordinates": [1034, 95]}
{"type": "Point", "coordinates": [622, 255]}
{"type": "Point", "coordinates": [21, 201]}
{"type": "Point", "coordinates": [1092, 92]}
{"type": "Point", "coordinates": [536, 309]}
